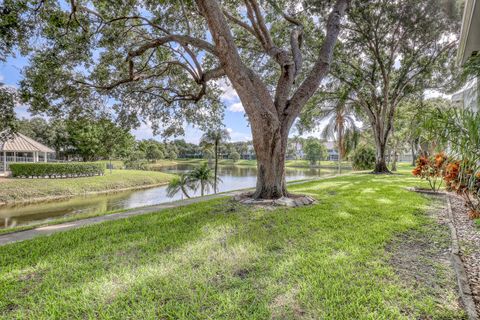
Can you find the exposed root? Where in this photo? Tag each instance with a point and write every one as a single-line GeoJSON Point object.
{"type": "Point", "coordinates": [293, 200]}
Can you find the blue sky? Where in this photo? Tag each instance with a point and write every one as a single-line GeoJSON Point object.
{"type": "Point", "coordinates": [235, 121]}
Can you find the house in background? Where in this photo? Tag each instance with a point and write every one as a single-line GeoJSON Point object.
{"type": "Point", "coordinates": [20, 148]}
{"type": "Point", "coordinates": [332, 150]}
{"type": "Point", "coordinates": [469, 46]}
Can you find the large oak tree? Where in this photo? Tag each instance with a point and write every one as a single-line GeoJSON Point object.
{"type": "Point", "coordinates": [393, 50]}
{"type": "Point", "coordinates": [162, 60]}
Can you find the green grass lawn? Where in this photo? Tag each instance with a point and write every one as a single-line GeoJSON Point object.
{"type": "Point", "coordinates": [30, 189]}
{"type": "Point", "coordinates": [220, 260]}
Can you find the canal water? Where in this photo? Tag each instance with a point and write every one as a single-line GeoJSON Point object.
{"type": "Point", "coordinates": [233, 178]}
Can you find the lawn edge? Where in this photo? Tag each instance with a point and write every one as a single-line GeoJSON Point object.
{"type": "Point", "coordinates": [462, 280]}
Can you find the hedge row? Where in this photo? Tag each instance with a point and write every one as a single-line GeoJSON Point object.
{"type": "Point", "coordinates": [56, 170]}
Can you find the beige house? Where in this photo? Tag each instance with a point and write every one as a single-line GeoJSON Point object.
{"type": "Point", "coordinates": [20, 148]}
{"type": "Point", "coordinates": [469, 46]}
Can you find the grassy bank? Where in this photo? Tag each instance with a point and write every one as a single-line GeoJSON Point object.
{"type": "Point", "coordinates": [220, 260]}
{"type": "Point", "coordinates": [19, 190]}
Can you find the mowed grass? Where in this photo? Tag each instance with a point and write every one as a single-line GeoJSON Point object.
{"type": "Point", "coordinates": [220, 260]}
{"type": "Point", "coordinates": [12, 190]}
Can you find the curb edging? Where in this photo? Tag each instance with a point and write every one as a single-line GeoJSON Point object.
{"type": "Point", "coordinates": [462, 280]}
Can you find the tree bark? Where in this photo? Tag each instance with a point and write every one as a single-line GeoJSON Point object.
{"type": "Point", "coordinates": [380, 160]}
{"type": "Point", "coordinates": [341, 145]}
{"type": "Point", "coordinates": [414, 156]}
{"type": "Point", "coordinates": [271, 164]}
{"type": "Point", "coordinates": [216, 167]}
{"type": "Point", "coordinates": [395, 160]}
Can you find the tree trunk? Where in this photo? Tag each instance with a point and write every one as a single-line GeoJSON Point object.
{"type": "Point", "coordinates": [341, 150]}
{"type": "Point", "coordinates": [395, 160]}
{"type": "Point", "coordinates": [381, 130]}
{"type": "Point", "coordinates": [216, 167]}
{"type": "Point", "coordinates": [414, 156]}
{"type": "Point", "coordinates": [271, 165]}
{"type": "Point", "coordinates": [380, 160]}
{"type": "Point", "coordinates": [184, 192]}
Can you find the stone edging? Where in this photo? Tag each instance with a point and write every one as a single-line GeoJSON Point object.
{"type": "Point", "coordinates": [464, 286]}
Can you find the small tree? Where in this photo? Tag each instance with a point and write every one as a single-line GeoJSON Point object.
{"type": "Point", "coordinates": [115, 141]}
{"type": "Point", "coordinates": [213, 138]}
{"type": "Point", "coordinates": [153, 152]}
{"type": "Point", "coordinates": [85, 137]}
{"type": "Point", "coordinates": [341, 127]}
{"type": "Point", "coordinates": [314, 150]}
{"type": "Point", "coordinates": [363, 158]}
{"type": "Point", "coordinates": [181, 183]}
{"type": "Point", "coordinates": [235, 156]}
{"type": "Point", "coordinates": [172, 155]}
{"type": "Point", "coordinates": [204, 177]}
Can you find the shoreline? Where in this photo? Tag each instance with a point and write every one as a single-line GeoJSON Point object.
{"type": "Point", "coordinates": [89, 193]}
{"type": "Point", "coordinates": [252, 164]}
{"type": "Point", "coordinates": [60, 220]}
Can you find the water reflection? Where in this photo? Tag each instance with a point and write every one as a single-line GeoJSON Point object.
{"type": "Point", "coordinates": [233, 177]}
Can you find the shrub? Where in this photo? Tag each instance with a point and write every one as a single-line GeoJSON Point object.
{"type": "Point", "coordinates": [235, 156]}
{"type": "Point", "coordinates": [137, 165]}
{"type": "Point", "coordinates": [459, 129]}
{"type": "Point", "coordinates": [363, 158]}
{"type": "Point", "coordinates": [172, 155]}
{"type": "Point", "coordinates": [461, 178]}
{"type": "Point", "coordinates": [56, 170]}
{"type": "Point", "coordinates": [431, 169]}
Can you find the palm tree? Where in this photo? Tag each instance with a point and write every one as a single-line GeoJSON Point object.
{"type": "Point", "coordinates": [204, 176]}
{"type": "Point", "coordinates": [180, 183]}
{"type": "Point", "coordinates": [341, 127]}
{"type": "Point", "coordinates": [213, 138]}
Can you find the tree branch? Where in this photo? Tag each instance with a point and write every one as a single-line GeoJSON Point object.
{"type": "Point", "coordinates": [322, 65]}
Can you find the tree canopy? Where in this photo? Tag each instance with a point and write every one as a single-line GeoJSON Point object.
{"type": "Point", "coordinates": [392, 50]}
{"type": "Point", "coordinates": [161, 61]}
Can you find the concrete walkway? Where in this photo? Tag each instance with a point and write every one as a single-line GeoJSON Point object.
{"type": "Point", "coordinates": [48, 230]}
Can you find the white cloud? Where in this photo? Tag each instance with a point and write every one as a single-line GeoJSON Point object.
{"type": "Point", "coordinates": [143, 132]}
{"type": "Point", "coordinates": [430, 94]}
{"type": "Point", "coordinates": [236, 136]}
{"type": "Point", "coordinates": [229, 94]}
{"type": "Point", "coordinates": [236, 107]}
{"type": "Point", "coordinates": [1, 77]}
{"type": "Point", "coordinates": [192, 134]}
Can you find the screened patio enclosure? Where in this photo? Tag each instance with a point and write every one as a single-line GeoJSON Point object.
{"type": "Point", "coordinates": [20, 148]}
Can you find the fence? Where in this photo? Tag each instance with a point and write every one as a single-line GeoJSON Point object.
{"type": "Point", "coordinates": [17, 159]}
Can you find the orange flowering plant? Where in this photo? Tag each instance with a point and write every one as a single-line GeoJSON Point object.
{"type": "Point", "coordinates": [431, 169]}
{"type": "Point", "coordinates": [458, 129]}
{"type": "Point", "coordinates": [463, 178]}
